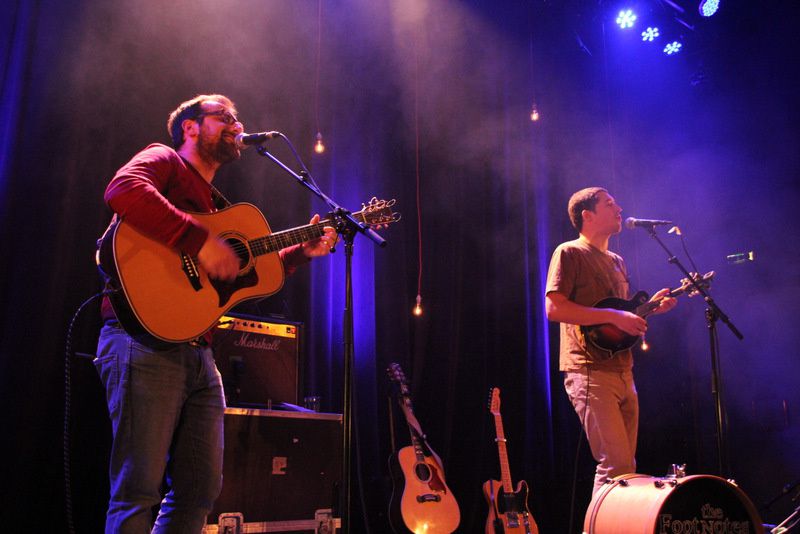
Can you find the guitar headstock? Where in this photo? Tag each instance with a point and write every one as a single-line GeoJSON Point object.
{"type": "Point", "coordinates": [494, 401]}
{"type": "Point", "coordinates": [397, 376]}
{"type": "Point", "coordinates": [378, 212]}
{"type": "Point", "coordinates": [703, 281]}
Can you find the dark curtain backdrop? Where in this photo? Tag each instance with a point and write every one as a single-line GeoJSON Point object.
{"type": "Point", "coordinates": [708, 139]}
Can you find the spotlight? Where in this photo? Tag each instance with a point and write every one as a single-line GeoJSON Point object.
{"type": "Point", "coordinates": [649, 34]}
{"type": "Point", "coordinates": [417, 311]}
{"type": "Point", "coordinates": [319, 146]}
{"type": "Point", "coordinates": [708, 7]}
{"type": "Point", "coordinates": [626, 18]}
{"type": "Point", "coordinates": [672, 48]}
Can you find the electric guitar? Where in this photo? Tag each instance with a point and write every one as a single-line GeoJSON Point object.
{"type": "Point", "coordinates": [421, 500]}
{"type": "Point", "coordinates": [164, 292]}
{"type": "Point", "coordinates": [610, 340]}
{"type": "Point", "coordinates": [508, 508]}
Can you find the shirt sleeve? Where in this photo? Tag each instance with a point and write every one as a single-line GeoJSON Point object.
{"type": "Point", "coordinates": [292, 258]}
{"type": "Point", "coordinates": [562, 273]}
{"type": "Point", "coordinates": [138, 192]}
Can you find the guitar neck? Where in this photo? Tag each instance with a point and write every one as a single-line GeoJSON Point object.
{"type": "Point", "coordinates": [287, 238]}
{"type": "Point", "coordinates": [647, 308]}
{"type": "Point", "coordinates": [505, 471]}
{"type": "Point", "coordinates": [413, 426]}
{"type": "Point", "coordinates": [419, 453]}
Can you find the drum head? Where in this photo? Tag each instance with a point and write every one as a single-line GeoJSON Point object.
{"type": "Point", "coordinates": [698, 504]}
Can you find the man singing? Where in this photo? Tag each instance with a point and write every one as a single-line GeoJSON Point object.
{"type": "Point", "coordinates": [166, 401]}
{"type": "Point", "coordinates": [601, 389]}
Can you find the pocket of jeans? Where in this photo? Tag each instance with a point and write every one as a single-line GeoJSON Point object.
{"type": "Point", "coordinates": [574, 387]}
{"type": "Point", "coordinates": [108, 368]}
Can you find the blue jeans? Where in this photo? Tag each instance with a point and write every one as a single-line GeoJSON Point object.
{"type": "Point", "coordinates": [167, 409]}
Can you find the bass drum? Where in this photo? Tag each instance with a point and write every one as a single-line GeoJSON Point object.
{"type": "Point", "coordinates": [697, 504]}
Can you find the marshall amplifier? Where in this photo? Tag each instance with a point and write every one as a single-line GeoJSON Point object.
{"type": "Point", "coordinates": [259, 361]}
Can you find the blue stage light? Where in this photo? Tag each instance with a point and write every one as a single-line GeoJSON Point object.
{"type": "Point", "coordinates": [672, 48]}
{"type": "Point", "coordinates": [708, 7]}
{"type": "Point", "coordinates": [626, 18]}
{"type": "Point", "coordinates": [649, 34]}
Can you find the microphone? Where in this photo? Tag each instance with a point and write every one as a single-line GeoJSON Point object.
{"type": "Point", "coordinates": [740, 257]}
{"type": "Point", "coordinates": [244, 140]}
{"type": "Point", "coordinates": [632, 223]}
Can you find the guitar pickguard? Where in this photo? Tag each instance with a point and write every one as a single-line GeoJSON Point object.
{"type": "Point", "coordinates": [225, 290]}
{"type": "Point", "coordinates": [433, 480]}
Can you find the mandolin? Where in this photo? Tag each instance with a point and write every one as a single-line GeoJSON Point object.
{"type": "Point", "coordinates": [610, 340]}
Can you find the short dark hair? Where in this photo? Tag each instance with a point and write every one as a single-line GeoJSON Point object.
{"type": "Point", "coordinates": [585, 199]}
{"type": "Point", "coordinates": [191, 110]}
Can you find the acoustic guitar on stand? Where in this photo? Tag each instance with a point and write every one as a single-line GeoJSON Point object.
{"type": "Point", "coordinates": [421, 501]}
{"type": "Point", "coordinates": [508, 508]}
{"type": "Point", "coordinates": [164, 292]}
{"type": "Point", "coordinates": [610, 340]}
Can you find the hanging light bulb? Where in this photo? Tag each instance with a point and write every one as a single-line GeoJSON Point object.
{"type": "Point", "coordinates": [534, 113]}
{"type": "Point", "coordinates": [418, 307]}
{"type": "Point", "coordinates": [645, 345]}
{"type": "Point", "coordinates": [319, 146]}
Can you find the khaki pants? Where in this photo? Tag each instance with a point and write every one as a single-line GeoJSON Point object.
{"type": "Point", "coordinates": [608, 406]}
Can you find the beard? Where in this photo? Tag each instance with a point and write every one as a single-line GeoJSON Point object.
{"type": "Point", "coordinates": [220, 150]}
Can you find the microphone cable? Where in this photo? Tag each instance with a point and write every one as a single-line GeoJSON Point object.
{"type": "Point", "coordinates": [678, 232]}
{"type": "Point", "coordinates": [67, 437]}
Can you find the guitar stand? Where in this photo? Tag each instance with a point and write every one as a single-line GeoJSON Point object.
{"type": "Point", "coordinates": [348, 227]}
{"type": "Point", "coordinates": [793, 520]}
{"type": "Point", "coordinates": [789, 523]}
{"type": "Point", "coordinates": [713, 313]}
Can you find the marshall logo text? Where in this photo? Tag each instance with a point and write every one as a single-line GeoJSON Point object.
{"type": "Point", "coordinates": [260, 344]}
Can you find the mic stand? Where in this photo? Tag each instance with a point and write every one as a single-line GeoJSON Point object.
{"type": "Point", "coordinates": [347, 226]}
{"type": "Point", "coordinates": [712, 314]}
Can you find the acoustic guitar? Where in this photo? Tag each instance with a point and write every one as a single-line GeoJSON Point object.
{"type": "Point", "coordinates": [164, 292]}
{"type": "Point", "coordinates": [421, 501]}
{"type": "Point", "coordinates": [610, 340]}
{"type": "Point", "coordinates": [508, 507]}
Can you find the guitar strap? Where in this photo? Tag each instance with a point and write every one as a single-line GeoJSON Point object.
{"type": "Point", "coordinates": [415, 427]}
{"type": "Point", "coordinates": [412, 421]}
{"type": "Point", "coordinates": [218, 198]}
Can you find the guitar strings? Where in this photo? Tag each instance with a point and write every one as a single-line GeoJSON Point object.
{"type": "Point", "coordinates": [292, 236]}
{"type": "Point", "coordinates": [278, 240]}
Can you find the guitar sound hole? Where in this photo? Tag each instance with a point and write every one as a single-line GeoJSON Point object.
{"type": "Point", "coordinates": [240, 249]}
{"type": "Point", "coordinates": [423, 472]}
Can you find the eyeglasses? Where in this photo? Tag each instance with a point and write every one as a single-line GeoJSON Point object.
{"type": "Point", "coordinates": [224, 115]}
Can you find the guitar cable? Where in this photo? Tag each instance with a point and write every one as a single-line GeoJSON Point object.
{"type": "Point", "coordinates": [67, 437]}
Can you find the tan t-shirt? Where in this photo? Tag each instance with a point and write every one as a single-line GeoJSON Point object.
{"type": "Point", "coordinates": [586, 275]}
